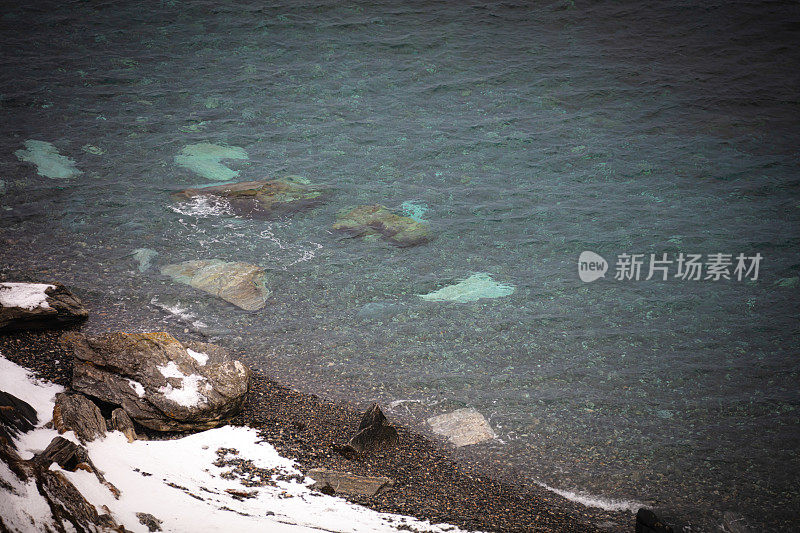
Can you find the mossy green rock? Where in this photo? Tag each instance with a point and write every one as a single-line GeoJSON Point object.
{"type": "Point", "coordinates": [265, 198]}
{"type": "Point", "coordinates": [241, 284]}
{"type": "Point", "coordinates": [366, 220]}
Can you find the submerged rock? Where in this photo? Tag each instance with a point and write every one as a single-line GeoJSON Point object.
{"type": "Point", "coordinates": [204, 159]}
{"type": "Point", "coordinates": [144, 256]}
{"type": "Point", "coordinates": [462, 427]}
{"type": "Point", "coordinates": [331, 482]}
{"type": "Point", "coordinates": [160, 383]}
{"type": "Point", "coordinates": [38, 305]}
{"type": "Point", "coordinates": [265, 198]}
{"type": "Point", "coordinates": [241, 284]}
{"type": "Point", "coordinates": [369, 220]}
{"type": "Point", "coordinates": [648, 522]}
{"type": "Point", "coordinates": [473, 288]}
{"type": "Point", "coordinates": [77, 413]}
{"type": "Point", "coordinates": [49, 163]}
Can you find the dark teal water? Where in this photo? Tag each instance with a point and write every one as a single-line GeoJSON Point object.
{"type": "Point", "coordinates": [530, 133]}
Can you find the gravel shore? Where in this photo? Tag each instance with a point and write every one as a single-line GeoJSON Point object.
{"type": "Point", "coordinates": [429, 482]}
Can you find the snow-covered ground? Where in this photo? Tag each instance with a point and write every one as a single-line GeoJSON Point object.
{"type": "Point", "coordinates": [178, 482]}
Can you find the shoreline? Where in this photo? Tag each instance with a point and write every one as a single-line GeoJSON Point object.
{"type": "Point", "coordinates": [431, 482]}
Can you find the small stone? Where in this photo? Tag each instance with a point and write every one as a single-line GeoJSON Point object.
{"type": "Point", "coordinates": [462, 427]}
{"type": "Point", "coordinates": [149, 521]}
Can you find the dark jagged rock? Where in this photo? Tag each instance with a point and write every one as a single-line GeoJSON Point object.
{"type": "Point", "coordinates": [120, 421]}
{"type": "Point", "coordinates": [648, 522]}
{"type": "Point", "coordinates": [149, 521]}
{"type": "Point", "coordinates": [16, 416]}
{"type": "Point", "coordinates": [57, 307]}
{"type": "Point", "coordinates": [374, 432]}
{"type": "Point", "coordinates": [160, 383]}
{"type": "Point", "coordinates": [366, 220]}
{"type": "Point", "coordinates": [66, 454]}
{"type": "Point", "coordinates": [69, 510]}
{"type": "Point", "coordinates": [331, 481]}
{"type": "Point", "coordinates": [735, 523]}
{"type": "Point", "coordinates": [75, 412]}
{"type": "Point", "coordinates": [265, 198]}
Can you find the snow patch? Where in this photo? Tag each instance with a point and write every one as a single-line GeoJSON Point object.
{"type": "Point", "coordinates": [24, 295]}
{"type": "Point", "coordinates": [200, 357]}
{"type": "Point", "coordinates": [137, 387]}
{"type": "Point", "coordinates": [188, 394]}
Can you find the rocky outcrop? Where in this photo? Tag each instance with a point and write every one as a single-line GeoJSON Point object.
{"type": "Point", "coordinates": [40, 499]}
{"type": "Point", "coordinates": [265, 198]}
{"type": "Point", "coordinates": [332, 482]}
{"type": "Point", "coordinates": [462, 427]}
{"type": "Point", "coordinates": [38, 305]}
{"type": "Point", "coordinates": [366, 220]}
{"type": "Point", "coordinates": [241, 284]}
{"type": "Point", "coordinates": [16, 417]}
{"type": "Point", "coordinates": [77, 413]}
{"type": "Point", "coordinates": [159, 382]}
{"type": "Point", "coordinates": [374, 432]}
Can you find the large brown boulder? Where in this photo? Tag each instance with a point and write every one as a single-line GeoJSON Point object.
{"type": "Point", "coordinates": [265, 198]}
{"type": "Point", "coordinates": [367, 220]}
{"type": "Point", "coordinates": [38, 305]}
{"type": "Point", "coordinates": [241, 284]}
{"type": "Point", "coordinates": [160, 383]}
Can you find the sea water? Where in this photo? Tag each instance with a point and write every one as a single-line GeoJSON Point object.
{"type": "Point", "coordinates": [524, 134]}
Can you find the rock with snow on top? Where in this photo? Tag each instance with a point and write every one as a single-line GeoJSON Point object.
{"type": "Point", "coordinates": [157, 381]}
{"type": "Point", "coordinates": [38, 305]}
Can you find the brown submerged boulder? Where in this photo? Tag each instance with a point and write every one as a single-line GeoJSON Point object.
{"type": "Point", "coordinates": [366, 220]}
{"type": "Point", "coordinates": [241, 284]}
{"type": "Point", "coordinates": [265, 198]}
{"type": "Point", "coordinates": [38, 305]}
{"type": "Point", "coordinates": [160, 383]}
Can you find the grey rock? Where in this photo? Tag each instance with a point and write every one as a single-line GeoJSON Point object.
{"type": "Point", "coordinates": [378, 310]}
{"type": "Point", "coordinates": [241, 284]}
{"type": "Point", "coordinates": [62, 308]}
{"type": "Point", "coordinates": [120, 421]}
{"type": "Point", "coordinates": [16, 417]}
{"type": "Point", "coordinates": [155, 379]}
{"type": "Point", "coordinates": [462, 427]}
{"type": "Point", "coordinates": [144, 256]}
{"type": "Point", "coordinates": [347, 483]}
{"type": "Point", "coordinates": [75, 412]}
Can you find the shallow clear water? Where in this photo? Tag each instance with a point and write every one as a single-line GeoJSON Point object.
{"type": "Point", "coordinates": [530, 134]}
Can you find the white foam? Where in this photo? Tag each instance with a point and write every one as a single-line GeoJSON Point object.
{"type": "Point", "coordinates": [24, 295]}
{"type": "Point", "coordinates": [595, 501]}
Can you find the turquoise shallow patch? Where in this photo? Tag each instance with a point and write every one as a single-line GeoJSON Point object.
{"type": "Point", "coordinates": [414, 211]}
{"type": "Point", "coordinates": [204, 159]}
{"type": "Point", "coordinates": [473, 288]}
{"type": "Point", "coordinates": [49, 163]}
